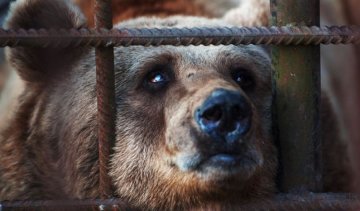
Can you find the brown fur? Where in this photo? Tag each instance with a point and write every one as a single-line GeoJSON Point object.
{"type": "Point", "coordinates": [49, 148]}
{"type": "Point", "coordinates": [126, 9]}
{"type": "Point", "coordinates": [238, 12]}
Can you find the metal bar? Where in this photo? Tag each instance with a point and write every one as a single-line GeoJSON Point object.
{"type": "Point", "coordinates": [106, 204]}
{"type": "Point", "coordinates": [297, 95]}
{"type": "Point", "coordinates": [323, 201]}
{"type": "Point", "coordinates": [105, 87]}
{"type": "Point", "coordinates": [290, 35]}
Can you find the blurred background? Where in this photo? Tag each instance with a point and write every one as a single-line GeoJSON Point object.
{"type": "Point", "coordinates": [340, 63]}
{"type": "Point", "coordinates": [341, 76]}
{"type": "Point", "coordinates": [4, 8]}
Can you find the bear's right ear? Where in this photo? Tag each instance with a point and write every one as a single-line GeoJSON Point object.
{"type": "Point", "coordinates": [35, 64]}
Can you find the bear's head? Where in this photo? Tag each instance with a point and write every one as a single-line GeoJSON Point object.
{"type": "Point", "coordinates": [192, 122]}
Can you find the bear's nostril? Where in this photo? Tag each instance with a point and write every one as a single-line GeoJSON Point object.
{"type": "Point", "coordinates": [213, 114]}
{"type": "Point", "coordinates": [237, 113]}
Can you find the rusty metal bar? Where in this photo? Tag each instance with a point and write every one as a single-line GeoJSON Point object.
{"type": "Point", "coordinates": [105, 88]}
{"type": "Point", "coordinates": [290, 35]}
{"type": "Point", "coordinates": [297, 95]}
{"type": "Point", "coordinates": [106, 204]}
{"type": "Point", "coordinates": [323, 201]}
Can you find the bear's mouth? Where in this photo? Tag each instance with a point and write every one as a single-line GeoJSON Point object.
{"type": "Point", "coordinates": [222, 160]}
{"type": "Point", "coordinates": [222, 164]}
{"type": "Point", "coordinates": [229, 163]}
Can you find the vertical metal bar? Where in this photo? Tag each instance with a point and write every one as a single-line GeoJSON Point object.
{"type": "Point", "coordinates": [297, 95]}
{"type": "Point", "coordinates": [105, 87]}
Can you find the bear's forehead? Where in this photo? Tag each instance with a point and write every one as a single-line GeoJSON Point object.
{"type": "Point", "coordinates": [191, 54]}
{"type": "Point", "coordinates": [173, 21]}
{"type": "Point", "coordinates": [136, 58]}
{"type": "Point", "coordinates": [133, 57]}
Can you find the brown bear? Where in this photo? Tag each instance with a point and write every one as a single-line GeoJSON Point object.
{"type": "Point", "coordinates": [192, 124]}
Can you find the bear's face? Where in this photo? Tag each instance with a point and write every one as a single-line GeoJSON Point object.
{"type": "Point", "coordinates": [192, 123]}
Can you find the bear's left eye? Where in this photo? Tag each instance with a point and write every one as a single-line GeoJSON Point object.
{"type": "Point", "coordinates": [243, 78]}
{"type": "Point", "coordinates": [156, 80]}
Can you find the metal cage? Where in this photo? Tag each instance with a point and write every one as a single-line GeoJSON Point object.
{"type": "Point", "coordinates": [299, 143]}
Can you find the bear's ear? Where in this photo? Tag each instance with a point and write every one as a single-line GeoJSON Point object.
{"type": "Point", "coordinates": [249, 13]}
{"type": "Point", "coordinates": [35, 64]}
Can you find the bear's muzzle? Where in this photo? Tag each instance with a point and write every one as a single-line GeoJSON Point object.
{"type": "Point", "coordinates": [225, 116]}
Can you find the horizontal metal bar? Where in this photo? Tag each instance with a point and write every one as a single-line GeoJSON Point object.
{"type": "Point", "coordinates": [311, 201]}
{"type": "Point", "coordinates": [185, 36]}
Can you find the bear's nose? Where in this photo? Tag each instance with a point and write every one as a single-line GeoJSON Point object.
{"type": "Point", "coordinates": [224, 115]}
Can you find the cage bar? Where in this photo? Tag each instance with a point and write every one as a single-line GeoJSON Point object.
{"type": "Point", "coordinates": [321, 202]}
{"type": "Point", "coordinates": [297, 95]}
{"type": "Point", "coordinates": [105, 88]}
{"type": "Point", "coordinates": [282, 35]}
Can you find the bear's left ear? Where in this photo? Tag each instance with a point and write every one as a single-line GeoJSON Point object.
{"type": "Point", "coordinates": [249, 13]}
{"type": "Point", "coordinates": [35, 64]}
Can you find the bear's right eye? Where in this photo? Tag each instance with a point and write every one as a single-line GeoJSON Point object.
{"type": "Point", "coordinates": [156, 80]}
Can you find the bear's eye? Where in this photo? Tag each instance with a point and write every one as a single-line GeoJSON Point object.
{"type": "Point", "coordinates": [243, 78]}
{"type": "Point", "coordinates": [156, 80]}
